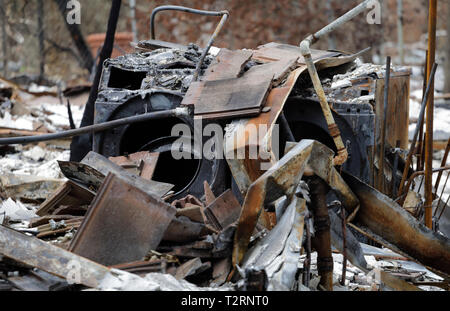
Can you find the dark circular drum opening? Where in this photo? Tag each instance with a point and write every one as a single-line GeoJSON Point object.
{"type": "Point", "coordinates": [155, 136]}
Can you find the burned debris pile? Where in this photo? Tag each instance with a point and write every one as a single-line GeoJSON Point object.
{"type": "Point", "coordinates": [294, 191]}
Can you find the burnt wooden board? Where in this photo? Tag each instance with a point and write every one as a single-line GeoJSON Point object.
{"type": "Point", "coordinates": [122, 225]}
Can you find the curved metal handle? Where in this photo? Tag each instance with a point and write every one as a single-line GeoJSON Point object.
{"type": "Point", "coordinates": [219, 27]}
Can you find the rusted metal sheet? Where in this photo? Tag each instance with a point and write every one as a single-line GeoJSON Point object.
{"type": "Point", "coordinates": [212, 98]}
{"type": "Point", "coordinates": [189, 268]}
{"type": "Point", "coordinates": [282, 179]}
{"type": "Point", "coordinates": [193, 212]}
{"type": "Point", "coordinates": [385, 218]}
{"type": "Point", "coordinates": [229, 97]}
{"type": "Point", "coordinates": [123, 224]}
{"type": "Point", "coordinates": [224, 211]}
{"type": "Point", "coordinates": [209, 195]}
{"type": "Point", "coordinates": [183, 230]}
{"type": "Point", "coordinates": [397, 109]}
{"type": "Point", "coordinates": [70, 193]}
{"type": "Point", "coordinates": [278, 252]}
{"type": "Point", "coordinates": [52, 259]}
{"type": "Point", "coordinates": [141, 163]}
{"type": "Point", "coordinates": [105, 166]}
{"type": "Point", "coordinates": [143, 267]}
{"type": "Point", "coordinates": [227, 65]}
{"type": "Point", "coordinates": [274, 51]}
{"type": "Point", "coordinates": [245, 171]}
{"type": "Point", "coordinates": [82, 174]}
{"type": "Point", "coordinates": [322, 237]}
{"type": "Point", "coordinates": [279, 69]}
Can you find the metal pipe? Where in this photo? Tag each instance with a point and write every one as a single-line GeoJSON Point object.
{"type": "Point", "coordinates": [342, 155]}
{"type": "Point", "coordinates": [96, 127]}
{"type": "Point", "coordinates": [416, 131]}
{"type": "Point", "coordinates": [444, 161]}
{"type": "Point", "coordinates": [322, 237]}
{"type": "Point", "coordinates": [443, 208]}
{"type": "Point", "coordinates": [344, 246]}
{"type": "Point", "coordinates": [395, 168]}
{"type": "Point", "coordinates": [341, 20]}
{"type": "Point", "coordinates": [223, 14]}
{"type": "Point", "coordinates": [442, 192]}
{"type": "Point", "coordinates": [307, 262]}
{"type": "Point", "coordinates": [430, 117]}
{"type": "Point", "coordinates": [387, 80]}
{"type": "Point", "coordinates": [210, 43]}
{"type": "Point", "coordinates": [419, 173]}
{"type": "Point", "coordinates": [420, 148]}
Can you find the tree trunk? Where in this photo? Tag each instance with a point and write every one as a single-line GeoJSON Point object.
{"type": "Point", "coordinates": [81, 145]}
{"type": "Point", "coordinates": [77, 37]}
{"type": "Point", "coordinates": [4, 39]}
{"type": "Point", "coordinates": [40, 35]}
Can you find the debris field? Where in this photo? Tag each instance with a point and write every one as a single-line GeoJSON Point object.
{"type": "Point", "coordinates": [333, 199]}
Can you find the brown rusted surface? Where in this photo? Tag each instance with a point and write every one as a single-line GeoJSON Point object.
{"type": "Point", "coordinates": [228, 64]}
{"type": "Point", "coordinates": [182, 230]}
{"type": "Point", "coordinates": [387, 219]}
{"type": "Point", "coordinates": [191, 211]}
{"type": "Point", "coordinates": [123, 224]}
{"type": "Point", "coordinates": [209, 195]}
{"type": "Point", "coordinates": [428, 184]}
{"type": "Point", "coordinates": [105, 166]}
{"type": "Point", "coordinates": [246, 171]}
{"type": "Point", "coordinates": [224, 211]}
{"type": "Point", "coordinates": [70, 193]}
{"type": "Point", "coordinates": [322, 237]}
{"type": "Point", "coordinates": [342, 155]}
{"type": "Point", "coordinates": [181, 203]}
{"type": "Point", "coordinates": [142, 163]}
{"type": "Point", "coordinates": [282, 179]}
{"type": "Point", "coordinates": [278, 69]}
{"type": "Point", "coordinates": [279, 180]}
{"type": "Point", "coordinates": [397, 109]}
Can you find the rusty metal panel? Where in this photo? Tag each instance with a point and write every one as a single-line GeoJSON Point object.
{"type": "Point", "coordinates": [228, 64]}
{"type": "Point", "coordinates": [82, 173]}
{"type": "Point", "coordinates": [105, 166]}
{"type": "Point", "coordinates": [141, 163]}
{"type": "Point", "coordinates": [397, 111]}
{"type": "Point", "coordinates": [236, 96]}
{"type": "Point", "coordinates": [276, 51]}
{"type": "Point", "coordinates": [387, 219]}
{"type": "Point", "coordinates": [224, 211]}
{"type": "Point", "coordinates": [123, 224]}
